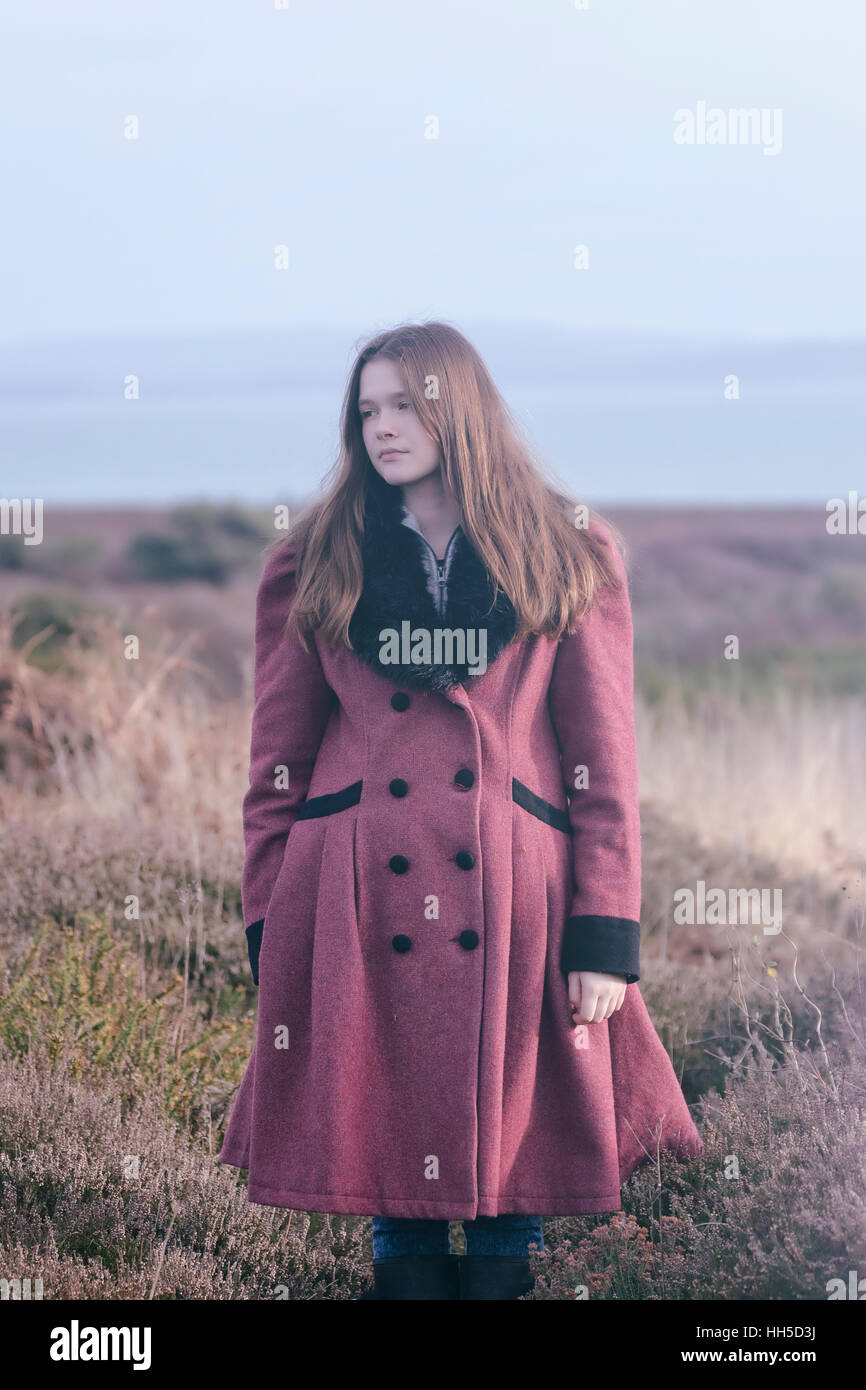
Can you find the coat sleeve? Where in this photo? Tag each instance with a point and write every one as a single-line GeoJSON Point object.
{"type": "Point", "coordinates": [591, 701]}
{"type": "Point", "coordinates": [292, 703]}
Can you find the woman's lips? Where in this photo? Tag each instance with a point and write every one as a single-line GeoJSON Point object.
{"type": "Point", "coordinates": [392, 453]}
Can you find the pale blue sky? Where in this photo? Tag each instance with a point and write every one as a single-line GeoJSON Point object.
{"type": "Point", "coordinates": [306, 126]}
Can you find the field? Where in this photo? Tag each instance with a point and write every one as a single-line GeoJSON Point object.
{"type": "Point", "coordinates": [127, 1009]}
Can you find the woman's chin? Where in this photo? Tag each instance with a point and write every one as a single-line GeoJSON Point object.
{"type": "Point", "coordinates": [399, 471]}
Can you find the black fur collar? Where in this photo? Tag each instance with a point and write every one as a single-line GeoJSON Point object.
{"type": "Point", "coordinates": [395, 591]}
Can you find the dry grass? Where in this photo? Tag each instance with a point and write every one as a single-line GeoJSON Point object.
{"type": "Point", "coordinates": [779, 779]}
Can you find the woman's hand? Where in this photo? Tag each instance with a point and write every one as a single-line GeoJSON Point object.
{"type": "Point", "coordinates": [594, 996]}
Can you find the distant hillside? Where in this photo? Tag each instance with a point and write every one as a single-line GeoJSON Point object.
{"type": "Point", "coordinates": [793, 595]}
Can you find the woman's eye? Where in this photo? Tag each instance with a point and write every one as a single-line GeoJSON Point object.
{"type": "Point", "coordinates": [365, 414]}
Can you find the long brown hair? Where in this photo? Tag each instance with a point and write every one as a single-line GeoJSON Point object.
{"type": "Point", "coordinates": [523, 526]}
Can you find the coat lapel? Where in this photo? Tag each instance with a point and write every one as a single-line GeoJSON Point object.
{"type": "Point", "coordinates": [395, 591]}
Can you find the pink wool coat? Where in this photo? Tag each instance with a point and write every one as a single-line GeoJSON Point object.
{"type": "Point", "coordinates": [419, 890]}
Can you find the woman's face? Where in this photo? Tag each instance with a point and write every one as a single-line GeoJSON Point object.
{"type": "Point", "coordinates": [389, 421]}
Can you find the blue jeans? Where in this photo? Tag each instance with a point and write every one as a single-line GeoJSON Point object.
{"type": "Point", "coordinates": [509, 1234]}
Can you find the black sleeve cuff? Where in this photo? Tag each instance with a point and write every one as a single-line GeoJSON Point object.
{"type": "Point", "coordinates": [610, 945]}
{"type": "Point", "coordinates": [254, 945]}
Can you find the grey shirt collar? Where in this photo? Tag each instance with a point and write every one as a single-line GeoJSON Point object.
{"type": "Point", "coordinates": [437, 581]}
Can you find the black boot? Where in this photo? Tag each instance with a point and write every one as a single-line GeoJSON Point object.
{"type": "Point", "coordinates": [414, 1277]}
{"type": "Point", "coordinates": [494, 1277]}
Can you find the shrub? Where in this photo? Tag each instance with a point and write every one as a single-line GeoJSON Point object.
{"type": "Point", "coordinates": [54, 619]}
{"type": "Point", "coordinates": [13, 553]}
{"type": "Point", "coordinates": [106, 1199]}
{"type": "Point", "coordinates": [168, 559]}
{"type": "Point", "coordinates": [774, 1207]}
{"type": "Point", "coordinates": [81, 995]}
{"type": "Point", "coordinates": [205, 542]}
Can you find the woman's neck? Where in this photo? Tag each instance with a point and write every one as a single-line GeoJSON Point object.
{"type": "Point", "coordinates": [434, 508]}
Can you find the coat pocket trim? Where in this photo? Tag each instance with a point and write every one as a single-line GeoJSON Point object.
{"type": "Point", "coordinates": [329, 805]}
{"type": "Point", "coordinates": [537, 806]}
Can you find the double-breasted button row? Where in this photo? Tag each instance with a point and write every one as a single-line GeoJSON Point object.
{"type": "Point", "coordinates": [465, 777]}
{"type": "Point", "coordinates": [468, 939]}
{"type": "Point", "coordinates": [399, 864]}
{"type": "Point", "coordinates": [398, 786]}
{"type": "Point", "coordinates": [464, 859]}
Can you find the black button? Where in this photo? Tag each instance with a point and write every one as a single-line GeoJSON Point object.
{"type": "Point", "coordinates": [464, 778]}
{"type": "Point", "coordinates": [402, 944]}
{"type": "Point", "coordinates": [464, 859]}
{"type": "Point", "coordinates": [468, 940]}
{"type": "Point", "coordinates": [398, 787]}
{"type": "Point", "coordinates": [400, 701]}
{"type": "Point", "coordinates": [398, 863]}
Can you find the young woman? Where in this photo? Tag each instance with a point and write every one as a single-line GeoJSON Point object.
{"type": "Point", "coordinates": [441, 885]}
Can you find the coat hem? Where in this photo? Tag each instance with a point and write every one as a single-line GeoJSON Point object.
{"type": "Point", "coordinates": [350, 1204]}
